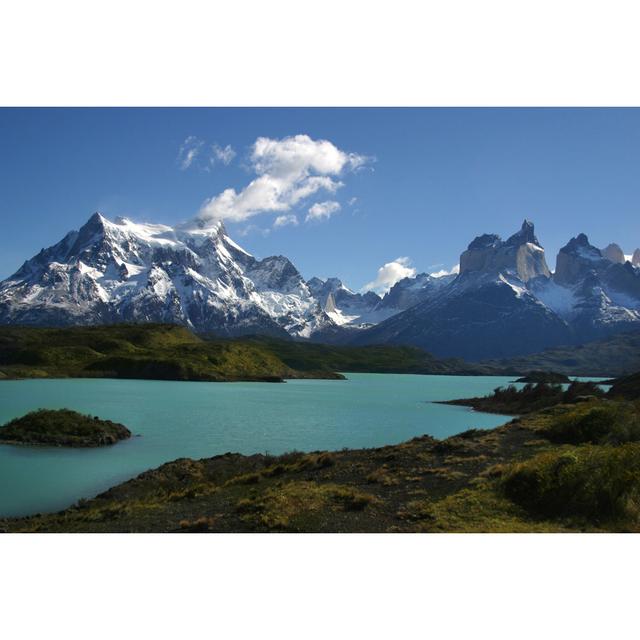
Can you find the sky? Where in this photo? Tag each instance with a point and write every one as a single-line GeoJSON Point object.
{"type": "Point", "coordinates": [368, 195]}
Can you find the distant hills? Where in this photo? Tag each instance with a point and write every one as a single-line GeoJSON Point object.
{"type": "Point", "coordinates": [147, 351]}
{"type": "Point", "coordinates": [618, 355]}
{"type": "Point", "coordinates": [172, 352]}
{"type": "Point", "coordinates": [504, 303]}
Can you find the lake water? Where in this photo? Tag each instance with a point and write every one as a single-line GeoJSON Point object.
{"type": "Point", "coordinates": [201, 419]}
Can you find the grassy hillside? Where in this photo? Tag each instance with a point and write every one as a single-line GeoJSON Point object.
{"type": "Point", "coordinates": [566, 468]}
{"type": "Point", "coordinates": [308, 356]}
{"type": "Point", "coordinates": [616, 356]}
{"type": "Point", "coordinates": [153, 351]}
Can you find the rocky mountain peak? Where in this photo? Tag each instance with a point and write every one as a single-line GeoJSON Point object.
{"type": "Point", "coordinates": [575, 260]}
{"type": "Point", "coordinates": [485, 241]}
{"type": "Point", "coordinates": [635, 259]}
{"type": "Point", "coordinates": [524, 235]}
{"type": "Point", "coordinates": [614, 253]}
{"type": "Point", "coordinates": [521, 255]}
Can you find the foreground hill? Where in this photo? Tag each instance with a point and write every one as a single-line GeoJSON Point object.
{"type": "Point", "coordinates": [570, 467]}
{"type": "Point", "coordinates": [159, 352]}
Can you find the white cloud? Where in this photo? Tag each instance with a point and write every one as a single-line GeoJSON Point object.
{"type": "Point", "coordinates": [194, 153]}
{"type": "Point", "coordinates": [286, 219]}
{"type": "Point", "coordinates": [189, 151]}
{"type": "Point", "coordinates": [253, 229]}
{"type": "Point", "coordinates": [389, 274]}
{"type": "Point", "coordinates": [222, 154]}
{"type": "Point", "coordinates": [322, 210]}
{"type": "Point", "coordinates": [287, 171]}
{"type": "Point", "coordinates": [352, 201]}
{"type": "Point", "coordinates": [444, 272]}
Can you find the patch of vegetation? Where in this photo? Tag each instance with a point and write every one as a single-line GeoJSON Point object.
{"type": "Point", "coordinates": [294, 506]}
{"type": "Point", "coordinates": [599, 483]}
{"type": "Point", "coordinates": [603, 422]}
{"type": "Point", "coordinates": [309, 356]}
{"type": "Point", "coordinates": [147, 351]}
{"type": "Point", "coordinates": [62, 428]}
{"type": "Point", "coordinates": [626, 387]}
{"type": "Point", "coordinates": [545, 376]}
{"type": "Point", "coordinates": [532, 397]}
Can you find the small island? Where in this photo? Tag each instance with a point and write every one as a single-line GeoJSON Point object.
{"type": "Point", "coordinates": [62, 428]}
{"type": "Point", "coordinates": [545, 376]}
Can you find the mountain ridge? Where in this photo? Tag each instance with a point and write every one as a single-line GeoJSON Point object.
{"type": "Point", "coordinates": [504, 302]}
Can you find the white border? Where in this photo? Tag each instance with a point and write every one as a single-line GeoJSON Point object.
{"type": "Point", "coordinates": [330, 53]}
{"type": "Point", "coordinates": [322, 586]}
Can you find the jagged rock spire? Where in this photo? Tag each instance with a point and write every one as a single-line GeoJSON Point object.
{"type": "Point", "coordinates": [520, 255]}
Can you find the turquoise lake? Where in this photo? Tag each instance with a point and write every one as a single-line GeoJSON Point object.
{"type": "Point", "coordinates": [201, 419]}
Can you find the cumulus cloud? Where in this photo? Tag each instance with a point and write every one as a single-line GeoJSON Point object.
{"type": "Point", "coordinates": [389, 274]}
{"type": "Point", "coordinates": [286, 219]}
{"type": "Point", "coordinates": [444, 272]}
{"type": "Point", "coordinates": [287, 171]}
{"type": "Point", "coordinates": [189, 151]}
{"type": "Point", "coordinates": [322, 210]}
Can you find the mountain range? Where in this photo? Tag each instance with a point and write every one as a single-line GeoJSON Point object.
{"type": "Point", "coordinates": [505, 301]}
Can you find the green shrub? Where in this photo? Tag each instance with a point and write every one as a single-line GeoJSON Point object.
{"type": "Point", "coordinates": [600, 483]}
{"type": "Point", "coordinates": [603, 423]}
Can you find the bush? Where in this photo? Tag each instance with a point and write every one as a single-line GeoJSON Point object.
{"type": "Point", "coordinates": [600, 483]}
{"type": "Point", "coordinates": [604, 423]}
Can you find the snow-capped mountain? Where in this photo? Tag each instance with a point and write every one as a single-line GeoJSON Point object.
{"type": "Point", "coordinates": [346, 307]}
{"type": "Point", "coordinates": [410, 291]}
{"type": "Point", "coordinates": [595, 292]}
{"type": "Point", "coordinates": [506, 302]}
{"type": "Point", "coordinates": [193, 275]}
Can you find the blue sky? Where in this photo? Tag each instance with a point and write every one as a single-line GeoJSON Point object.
{"type": "Point", "coordinates": [413, 183]}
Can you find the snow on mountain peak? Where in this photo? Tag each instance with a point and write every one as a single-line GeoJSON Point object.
{"type": "Point", "coordinates": [194, 274]}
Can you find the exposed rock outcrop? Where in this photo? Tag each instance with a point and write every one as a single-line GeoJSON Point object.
{"type": "Point", "coordinates": [614, 253]}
